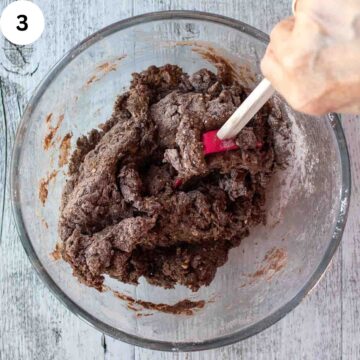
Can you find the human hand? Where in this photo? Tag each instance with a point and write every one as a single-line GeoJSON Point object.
{"type": "Point", "coordinates": [313, 58]}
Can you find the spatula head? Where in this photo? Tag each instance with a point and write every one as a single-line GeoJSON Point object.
{"type": "Point", "coordinates": [212, 144]}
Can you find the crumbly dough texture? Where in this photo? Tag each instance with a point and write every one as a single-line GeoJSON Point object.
{"type": "Point", "coordinates": [121, 214]}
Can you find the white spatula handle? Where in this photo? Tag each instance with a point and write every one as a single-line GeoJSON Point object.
{"type": "Point", "coordinates": [246, 111]}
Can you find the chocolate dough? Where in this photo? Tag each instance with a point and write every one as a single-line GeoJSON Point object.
{"type": "Point", "coordinates": [122, 214]}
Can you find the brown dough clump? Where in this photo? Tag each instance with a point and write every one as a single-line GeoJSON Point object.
{"type": "Point", "coordinates": [121, 214]}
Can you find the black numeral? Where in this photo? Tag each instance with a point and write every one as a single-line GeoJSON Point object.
{"type": "Point", "coordinates": [23, 22]}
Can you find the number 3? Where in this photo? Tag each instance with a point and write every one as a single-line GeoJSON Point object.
{"type": "Point", "coordinates": [22, 22]}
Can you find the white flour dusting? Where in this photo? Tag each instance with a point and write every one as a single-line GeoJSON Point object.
{"type": "Point", "coordinates": [296, 179]}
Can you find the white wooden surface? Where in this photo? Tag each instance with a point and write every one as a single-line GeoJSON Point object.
{"type": "Point", "coordinates": [34, 325]}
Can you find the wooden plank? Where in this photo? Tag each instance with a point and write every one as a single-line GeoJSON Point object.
{"type": "Point", "coordinates": [117, 350]}
{"type": "Point", "coordinates": [34, 325]}
{"type": "Point", "coordinates": [351, 249]}
{"type": "Point", "coordinates": [3, 158]}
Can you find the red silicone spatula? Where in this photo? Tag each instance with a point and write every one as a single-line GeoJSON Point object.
{"type": "Point", "coordinates": [212, 144]}
{"type": "Point", "coordinates": [223, 140]}
{"type": "Point", "coordinates": [216, 141]}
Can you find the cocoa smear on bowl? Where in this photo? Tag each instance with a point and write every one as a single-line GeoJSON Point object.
{"type": "Point", "coordinates": [64, 150]}
{"type": "Point", "coordinates": [274, 261]}
{"type": "Point", "coordinates": [103, 69]}
{"type": "Point", "coordinates": [52, 130]}
{"type": "Point", "coordinates": [224, 62]}
{"type": "Point", "coordinates": [44, 186]}
{"type": "Point", "coordinates": [183, 307]}
{"type": "Point", "coordinates": [56, 254]}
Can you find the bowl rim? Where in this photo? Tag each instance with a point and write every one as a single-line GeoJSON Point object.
{"type": "Point", "coordinates": [251, 330]}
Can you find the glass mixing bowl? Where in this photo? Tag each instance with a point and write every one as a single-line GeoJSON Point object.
{"type": "Point", "coordinates": [269, 273]}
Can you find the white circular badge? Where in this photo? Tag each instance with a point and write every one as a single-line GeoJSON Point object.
{"type": "Point", "coordinates": [22, 22]}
